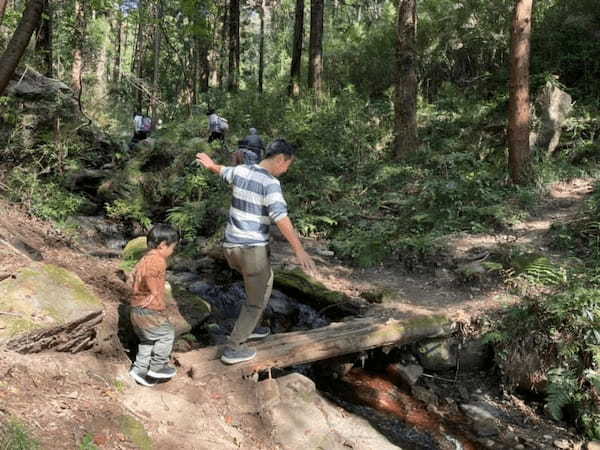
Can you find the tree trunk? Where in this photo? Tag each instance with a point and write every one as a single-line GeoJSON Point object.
{"type": "Point", "coordinates": [117, 56]}
{"type": "Point", "coordinates": [43, 43]}
{"type": "Point", "coordinates": [233, 82]}
{"type": "Point", "coordinates": [155, 74]}
{"type": "Point", "coordinates": [261, 47]}
{"type": "Point", "coordinates": [315, 65]}
{"type": "Point", "coordinates": [2, 9]}
{"type": "Point", "coordinates": [78, 37]}
{"type": "Point", "coordinates": [19, 41]}
{"type": "Point", "coordinates": [224, 45]}
{"type": "Point", "coordinates": [518, 104]}
{"type": "Point", "coordinates": [71, 337]}
{"type": "Point", "coordinates": [139, 54]}
{"type": "Point", "coordinates": [295, 72]}
{"type": "Point", "coordinates": [405, 102]}
{"type": "Point", "coordinates": [300, 347]}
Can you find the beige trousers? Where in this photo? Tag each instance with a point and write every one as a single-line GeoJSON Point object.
{"type": "Point", "coordinates": [253, 263]}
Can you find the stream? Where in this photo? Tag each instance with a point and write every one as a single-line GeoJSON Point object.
{"type": "Point", "coordinates": [404, 420]}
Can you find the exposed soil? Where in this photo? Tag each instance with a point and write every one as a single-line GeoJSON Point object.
{"type": "Point", "coordinates": [66, 399]}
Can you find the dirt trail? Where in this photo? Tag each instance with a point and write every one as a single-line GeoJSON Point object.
{"type": "Point", "coordinates": [66, 399]}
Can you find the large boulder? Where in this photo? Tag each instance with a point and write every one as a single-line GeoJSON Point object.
{"type": "Point", "coordinates": [47, 307]}
{"type": "Point", "coordinates": [555, 106]}
{"type": "Point", "coordinates": [298, 417]}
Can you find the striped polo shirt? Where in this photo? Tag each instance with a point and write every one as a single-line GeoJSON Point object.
{"type": "Point", "coordinates": [257, 201]}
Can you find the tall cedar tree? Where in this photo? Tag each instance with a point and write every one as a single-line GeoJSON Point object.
{"type": "Point", "coordinates": [156, 57]}
{"type": "Point", "coordinates": [518, 104]}
{"type": "Point", "coordinates": [116, 77]}
{"type": "Point", "coordinates": [2, 9]}
{"type": "Point", "coordinates": [19, 41]}
{"type": "Point", "coordinates": [295, 72]}
{"type": "Point", "coordinates": [261, 46]}
{"type": "Point", "coordinates": [138, 58]}
{"type": "Point", "coordinates": [43, 42]}
{"type": "Point", "coordinates": [233, 82]}
{"type": "Point", "coordinates": [315, 51]}
{"type": "Point", "coordinates": [405, 101]}
{"type": "Point", "coordinates": [78, 38]}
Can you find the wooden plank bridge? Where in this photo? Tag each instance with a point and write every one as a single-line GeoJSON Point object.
{"type": "Point", "coordinates": [300, 347]}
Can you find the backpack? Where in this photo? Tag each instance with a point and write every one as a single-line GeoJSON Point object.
{"type": "Point", "coordinates": [223, 124]}
{"type": "Point", "coordinates": [146, 124]}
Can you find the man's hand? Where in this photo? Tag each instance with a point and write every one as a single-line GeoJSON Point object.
{"type": "Point", "coordinates": [207, 162]}
{"type": "Point", "coordinates": [305, 261]}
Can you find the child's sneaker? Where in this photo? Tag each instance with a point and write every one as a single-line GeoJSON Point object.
{"type": "Point", "coordinates": [237, 355]}
{"type": "Point", "coordinates": [260, 333]}
{"type": "Point", "coordinates": [140, 377]}
{"type": "Point", "coordinates": [164, 372]}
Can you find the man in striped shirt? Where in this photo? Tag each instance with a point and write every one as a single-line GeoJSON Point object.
{"type": "Point", "coordinates": [257, 202]}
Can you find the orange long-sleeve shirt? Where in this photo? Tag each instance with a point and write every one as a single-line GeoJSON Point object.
{"type": "Point", "coordinates": [149, 282]}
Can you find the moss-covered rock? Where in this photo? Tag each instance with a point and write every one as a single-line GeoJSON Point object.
{"type": "Point", "coordinates": [134, 250]}
{"type": "Point", "coordinates": [43, 296]}
{"type": "Point", "coordinates": [303, 287]}
{"type": "Point", "coordinates": [135, 431]}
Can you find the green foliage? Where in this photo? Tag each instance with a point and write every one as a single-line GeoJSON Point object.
{"type": "Point", "coordinates": [87, 443]}
{"type": "Point", "coordinates": [43, 198]}
{"type": "Point", "coordinates": [128, 210]}
{"type": "Point", "coordinates": [16, 436]}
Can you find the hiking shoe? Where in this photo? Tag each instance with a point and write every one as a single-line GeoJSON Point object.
{"type": "Point", "coordinates": [237, 355]}
{"type": "Point", "coordinates": [140, 377]}
{"type": "Point", "coordinates": [260, 333]}
{"type": "Point", "coordinates": [164, 372]}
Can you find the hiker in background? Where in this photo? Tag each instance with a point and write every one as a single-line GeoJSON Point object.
{"type": "Point", "coordinates": [254, 143]}
{"type": "Point", "coordinates": [142, 126]}
{"type": "Point", "coordinates": [217, 126]}
{"type": "Point", "coordinates": [148, 311]}
{"type": "Point", "coordinates": [257, 201]}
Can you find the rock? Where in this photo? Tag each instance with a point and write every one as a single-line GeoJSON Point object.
{"type": "Point", "coordinates": [33, 85]}
{"type": "Point", "coordinates": [50, 303]}
{"type": "Point", "coordinates": [298, 417]}
{"type": "Point", "coordinates": [437, 354]}
{"type": "Point", "coordinates": [424, 395]}
{"type": "Point", "coordinates": [555, 105]}
{"type": "Point", "coordinates": [562, 443]}
{"type": "Point", "coordinates": [182, 278]}
{"type": "Point", "coordinates": [407, 374]}
{"type": "Point", "coordinates": [593, 445]}
{"type": "Point", "coordinates": [475, 355]}
{"type": "Point", "coordinates": [135, 249]}
{"type": "Point", "coordinates": [484, 423]}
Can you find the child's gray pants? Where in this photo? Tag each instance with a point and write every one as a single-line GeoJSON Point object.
{"type": "Point", "coordinates": [156, 336]}
{"type": "Point", "coordinates": [253, 263]}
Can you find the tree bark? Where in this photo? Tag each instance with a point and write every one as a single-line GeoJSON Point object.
{"type": "Point", "coordinates": [405, 102]}
{"type": "Point", "coordinates": [43, 43]}
{"type": "Point", "coordinates": [117, 56]}
{"type": "Point", "coordinates": [224, 46]}
{"type": "Point", "coordinates": [2, 9]}
{"type": "Point", "coordinates": [261, 47]}
{"type": "Point", "coordinates": [78, 37]}
{"type": "Point", "coordinates": [155, 74]}
{"type": "Point", "coordinates": [19, 41]}
{"type": "Point", "coordinates": [139, 54]}
{"type": "Point", "coordinates": [300, 347]}
{"type": "Point", "coordinates": [233, 82]}
{"type": "Point", "coordinates": [315, 65]}
{"type": "Point", "coordinates": [295, 70]}
{"type": "Point", "coordinates": [518, 104]}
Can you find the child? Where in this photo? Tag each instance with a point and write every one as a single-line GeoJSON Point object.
{"type": "Point", "coordinates": [148, 308]}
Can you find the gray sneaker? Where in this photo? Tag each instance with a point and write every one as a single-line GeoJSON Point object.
{"type": "Point", "coordinates": [164, 372]}
{"type": "Point", "coordinates": [260, 333]}
{"type": "Point", "coordinates": [237, 355]}
{"type": "Point", "coordinates": [140, 377]}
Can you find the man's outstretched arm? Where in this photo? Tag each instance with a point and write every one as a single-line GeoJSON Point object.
{"type": "Point", "coordinates": [288, 231]}
{"type": "Point", "coordinates": [208, 163]}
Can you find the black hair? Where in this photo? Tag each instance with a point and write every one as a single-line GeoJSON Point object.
{"type": "Point", "coordinates": [210, 111]}
{"type": "Point", "coordinates": [280, 146]}
{"type": "Point", "coordinates": [161, 233]}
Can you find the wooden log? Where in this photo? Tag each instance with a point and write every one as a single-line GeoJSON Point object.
{"type": "Point", "coordinates": [71, 337]}
{"type": "Point", "coordinates": [300, 347]}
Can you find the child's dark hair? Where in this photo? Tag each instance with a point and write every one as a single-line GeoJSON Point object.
{"type": "Point", "coordinates": [280, 146]}
{"type": "Point", "coordinates": [161, 233]}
